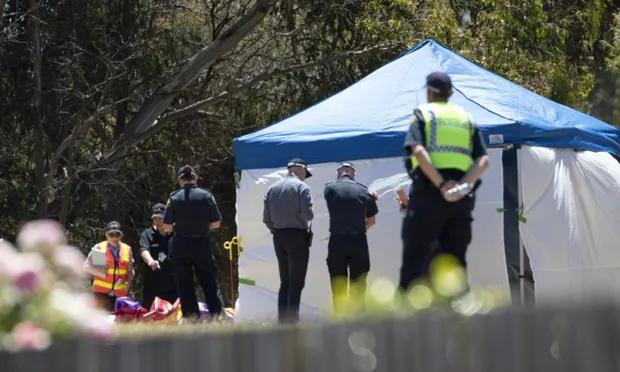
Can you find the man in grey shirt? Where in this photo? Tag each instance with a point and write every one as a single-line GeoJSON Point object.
{"type": "Point", "coordinates": [287, 213]}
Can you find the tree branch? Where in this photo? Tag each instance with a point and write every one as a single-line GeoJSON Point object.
{"type": "Point", "coordinates": [197, 106]}
{"type": "Point", "coordinates": [190, 109]}
{"type": "Point", "coordinates": [160, 101]}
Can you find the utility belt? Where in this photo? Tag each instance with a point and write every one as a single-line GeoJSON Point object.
{"type": "Point", "coordinates": [191, 236]}
{"type": "Point", "coordinates": [347, 232]}
{"type": "Point", "coordinates": [292, 229]}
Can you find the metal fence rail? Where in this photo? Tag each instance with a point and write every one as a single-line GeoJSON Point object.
{"type": "Point", "coordinates": [512, 340]}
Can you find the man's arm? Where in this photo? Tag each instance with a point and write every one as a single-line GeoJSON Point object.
{"type": "Point", "coordinates": [168, 217]}
{"type": "Point", "coordinates": [370, 222]}
{"type": "Point", "coordinates": [414, 146]}
{"type": "Point", "coordinates": [371, 209]}
{"type": "Point", "coordinates": [145, 244]}
{"type": "Point", "coordinates": [305, 203]}
{"type": "Point", "coordinates": [266, 215]}
{"type": "Point", "coordinates": [427, 167]}
{"type": "Point", "coordinates": [215, 217]}
{"type": "Point", "coordinates": [475, 172]}
{"type": "Point", "coordinates": [481, 159]}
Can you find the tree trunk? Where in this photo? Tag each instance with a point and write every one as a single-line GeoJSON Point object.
{"type": "Point", "coordinates": [37, 125]}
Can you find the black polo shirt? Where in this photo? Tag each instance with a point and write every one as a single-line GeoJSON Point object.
{"type": "Point", "coordinates": [155, 242]}
{"type": "Point", "coordinates": [349, 204]}
{"type": "Point", "coordinates": [191, 210]}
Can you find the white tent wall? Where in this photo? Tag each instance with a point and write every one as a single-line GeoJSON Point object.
{"type": "Point", "coordinates": [571, 201]}
{"type": "Point", "coordinates": [486, 258]}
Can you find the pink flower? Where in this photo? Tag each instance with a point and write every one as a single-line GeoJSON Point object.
{"type": "Point", "coordinates": [27, 281]}
{"type": "Point", "coordinates": [27, 272]}
{"type": "Point", "coordinates": [41, 235]}
{"type": "Point", "coordinates": [27, 335]}
{"type": "Point", "coordinates": [8, 257]}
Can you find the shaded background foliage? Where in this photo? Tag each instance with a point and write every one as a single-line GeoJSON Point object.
{"type": "Point", "coordinates": [66, 63]}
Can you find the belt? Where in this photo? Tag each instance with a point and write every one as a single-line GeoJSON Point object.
{"type": "Point", "coordinates": [291, 229]}
{"type": "Point", "coordinates": [347, 232]}
{"type": "Point", "coordinates": [191, 236]}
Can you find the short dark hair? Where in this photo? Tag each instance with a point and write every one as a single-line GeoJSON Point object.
{"type": "Point", "coordinates": [186, 173]}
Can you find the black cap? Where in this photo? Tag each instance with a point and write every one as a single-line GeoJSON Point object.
{"type": "Point", "coordinates": [439, 82]}
{"type": "Point", "coordinates": [301, 163]}
{"type": "Point", "coordinates": [158, 210]}
{"type": "Point", "coordinates": [113, 226]}
{"type": "Point", "coordinates": [190, 172]}
{"type": "Point", "coordinates": [346, 164]}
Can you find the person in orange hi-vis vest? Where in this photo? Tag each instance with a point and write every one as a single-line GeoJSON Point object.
{"type": "Point", "coordinates": [111, 265]}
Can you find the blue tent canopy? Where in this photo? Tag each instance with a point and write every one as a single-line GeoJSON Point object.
{"type": "Point", "coordinates": [369, 119]}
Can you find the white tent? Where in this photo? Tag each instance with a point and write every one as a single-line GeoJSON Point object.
{"type": "Point", "coordinates": [553, 186]}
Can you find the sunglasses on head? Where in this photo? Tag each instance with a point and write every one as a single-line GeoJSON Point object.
{"type": "Point", "coordinates": [114, 234]}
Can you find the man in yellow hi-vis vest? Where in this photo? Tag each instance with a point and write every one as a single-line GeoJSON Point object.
{"type": "Point", "coordinates": [445, 158]}
{"type": "Point", "coordinates": [110, 263]}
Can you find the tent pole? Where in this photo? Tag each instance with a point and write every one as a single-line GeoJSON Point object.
{"type": "Point", "coordinates": [521, 245]}
{"type": "Point", "coordinates": [521, 273]}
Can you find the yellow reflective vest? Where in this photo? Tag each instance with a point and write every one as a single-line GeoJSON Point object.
{"type": "Point", "coordinates": [117, 273]}
{"type": "Point", "coordinates": [448, 136]}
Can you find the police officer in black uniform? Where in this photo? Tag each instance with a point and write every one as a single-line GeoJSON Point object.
{"type": "Point", "coordinates": [445, 157]}
{"type": "Point", "coordinates": [158, 279]}
{"type": "Point", "coordinates": [194, 213]}
{"type": "Point", "coordinates": [352, 209]}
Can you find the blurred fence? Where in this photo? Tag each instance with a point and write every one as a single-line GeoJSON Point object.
{"type": "Point", "coordinates": [511, 340]}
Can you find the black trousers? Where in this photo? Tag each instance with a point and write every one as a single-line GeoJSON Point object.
{"type": "Point", "coordinates": [189, 255]}
{"type": "Point", "coordinates": [347, 259]}
{"type": "Point", "coordinates": [292, 251]}
{"type": "Point", "coordinates": [431, 219]}
{"type": "Point", "coordinates": [160, 283]}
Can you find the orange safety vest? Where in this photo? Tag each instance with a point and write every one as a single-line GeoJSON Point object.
{"type": "Point", "coordinates": [114, 271]}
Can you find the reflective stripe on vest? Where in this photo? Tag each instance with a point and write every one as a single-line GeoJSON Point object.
{"type": "Point", "coordinates": [104, 284]}
{"type": "Point", "coordinates": [448, 133]}
{"type": "Point", "coordinates": [117, 271]}
{"type": "Point", "coordinates": [114, 272]}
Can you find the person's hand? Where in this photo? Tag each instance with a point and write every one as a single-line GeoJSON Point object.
{"type": "Point", "coordinates": [447, 186]}
{"type": "Point", "coordinates": [166, 228]}
{"type": "Point", "coordinates": [99, 272]}
{"type": "Point", "coordinates": [374, 195]}
{"type": "Point", "coordinates": [154, 265]}
{"type": "Point", "coordinates": [461, 190]}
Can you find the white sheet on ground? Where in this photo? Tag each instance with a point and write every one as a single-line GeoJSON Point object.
{"type": "Point", "coordinates": [485, 256]}
{"type": "Point", "coordinates": [571, 201]}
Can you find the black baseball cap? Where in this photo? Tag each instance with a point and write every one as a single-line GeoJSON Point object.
{"type": "Point", "coordinates": [301, 163]}
{"type": "Point", "coordinates": [113, 227]}
{"type": "Point", "coordinates": [439, 82]}
{"type": "Point", "coordinates": [181, 172]}
{"type": "Point", "coordinates": [158, 210]}
{"type": "Point", "coordinates": [346, 164]}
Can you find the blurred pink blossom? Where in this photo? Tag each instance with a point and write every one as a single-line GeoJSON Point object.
{"type": "Point", "coordinates": [8, 257]}
{"type": "Point", "coordinates": [40, 235]}
{"type": "Point", "coordinates": [27, 281]}
{"type": "Point", "coordinates": [27, 335]}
